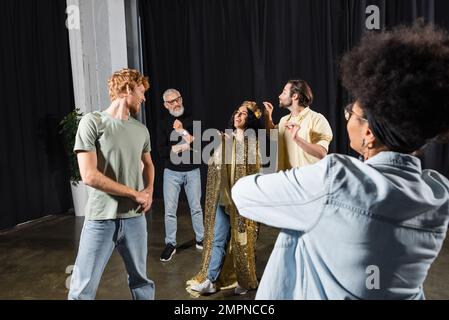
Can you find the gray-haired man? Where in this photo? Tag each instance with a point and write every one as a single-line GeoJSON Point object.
{"type": "Point", "coordinates": [176, 175]}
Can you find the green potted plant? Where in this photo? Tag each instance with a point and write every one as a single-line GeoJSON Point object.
{"type": "Point", "coordinates": [68, 129]}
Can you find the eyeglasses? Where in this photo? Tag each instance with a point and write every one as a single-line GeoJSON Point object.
{"type": "Point", "coordinates": [349, 113]}
{"type": "Point", "coordinates": [178, 99]}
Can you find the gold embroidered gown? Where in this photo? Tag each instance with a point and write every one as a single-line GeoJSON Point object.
{"type": "Point", "coordinates": [233, 160]}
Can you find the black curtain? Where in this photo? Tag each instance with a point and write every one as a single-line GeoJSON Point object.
{"type": "Point", "coordinates": [36, 86]}
{"type": "Point", "coordinates": [222, 52]}
{"type": "Point", "coordinates": [437, 156]}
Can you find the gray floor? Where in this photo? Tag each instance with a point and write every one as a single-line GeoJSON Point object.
{"type": "Point", "coordinates": [34, 259]}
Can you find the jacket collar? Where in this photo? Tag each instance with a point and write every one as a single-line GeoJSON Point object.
{"type": "Point", "coordinates": [395, 159]}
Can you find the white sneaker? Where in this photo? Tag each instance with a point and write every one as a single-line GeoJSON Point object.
{"type": "Point", "coordinates": [240, 291]}
{"type": "Point", "coordinates": [205, 287]}
{"type": "Point", "coordinates": [199, 245]}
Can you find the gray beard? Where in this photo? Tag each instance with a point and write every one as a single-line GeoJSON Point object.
{"type": "Point", "coordinates": [177, 114]}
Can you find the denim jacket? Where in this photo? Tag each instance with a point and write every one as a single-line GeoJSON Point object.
{"type": "Point", "coordinates": [350, 229]}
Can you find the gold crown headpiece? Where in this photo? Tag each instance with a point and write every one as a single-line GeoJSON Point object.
{"type": "Point", "coordinates": [251, 105]}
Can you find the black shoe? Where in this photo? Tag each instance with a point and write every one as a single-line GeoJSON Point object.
{"type": "Point", "coordinates": [199, 245]}
{"type": "Point", "coordinates": [168, 252]}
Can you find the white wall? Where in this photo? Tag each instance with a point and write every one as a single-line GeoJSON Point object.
{"type": "Point", "coordinates": [98, 47]}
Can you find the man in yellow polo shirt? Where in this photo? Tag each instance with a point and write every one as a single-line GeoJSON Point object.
{"type": "Point", "coordinates": [304, 135]}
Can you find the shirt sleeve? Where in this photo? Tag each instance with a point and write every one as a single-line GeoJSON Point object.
{"type": "Point", "coordinates": [288, 200]}
{"type": "Point", "coordinates": [87, 133]}
{"type": "Point", "coordinates": [321, 133]}
{"type": "Point", "coordinates": [187, 123]}
{"type": "Point", "coordinates": [147, 144]}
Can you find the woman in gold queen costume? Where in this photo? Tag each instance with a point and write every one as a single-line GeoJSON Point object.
{"type": "Point", "coordinates": [229, 255]}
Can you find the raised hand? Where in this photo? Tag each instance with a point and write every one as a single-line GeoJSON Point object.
{"type": "Point", "coordinates": [177, 125]}
{"type": "Point", "coordinates": [268, 109]}
{"type": "Point", "coordinates": [293, 128]}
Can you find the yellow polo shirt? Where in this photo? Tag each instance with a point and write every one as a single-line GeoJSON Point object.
{"type": "Point", "coordinates": [315, 129]}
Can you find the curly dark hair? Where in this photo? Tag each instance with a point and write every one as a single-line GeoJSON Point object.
{"type": "Point", "coordinates": [401, 80]}
{"type": "Point", "coordinates": [252, 122]}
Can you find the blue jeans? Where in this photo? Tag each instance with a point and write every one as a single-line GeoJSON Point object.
{"type": "Point", "coordinates": [191, 180]}
{"type": "Point", "coordinates": [222, 235]}
{"type": "Point", "coordinates": [97, 242]}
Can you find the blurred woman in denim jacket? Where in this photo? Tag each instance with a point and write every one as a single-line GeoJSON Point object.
{"type": "Point", "coordinates": [365, 229]}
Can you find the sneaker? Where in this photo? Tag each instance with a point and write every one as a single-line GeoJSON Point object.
{"type": "Point", "coordinates": [205, 287]}
{"type": "Point", "coordinates": [240, 291]}
{"type": "Point", "coordinates": [199, 245]}
{"type": "Point", "coordinates": [168, 252]}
